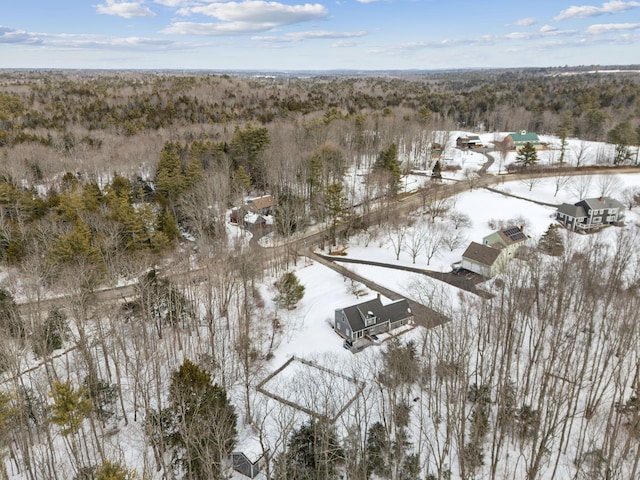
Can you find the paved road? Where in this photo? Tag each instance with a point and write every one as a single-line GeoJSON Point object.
{"type": "Point", "coordinates": [399, 207]}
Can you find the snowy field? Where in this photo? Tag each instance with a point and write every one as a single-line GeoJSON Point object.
{"type": "Point", "coordinates": [326, 290]}
{"type": "Point", "coordinates": [577, 153]}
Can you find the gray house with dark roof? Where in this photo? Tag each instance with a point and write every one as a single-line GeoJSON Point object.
{"type": "Point", "coordinates": [370, 318]}
{"type": "Point", "coordinates": [590, 213]}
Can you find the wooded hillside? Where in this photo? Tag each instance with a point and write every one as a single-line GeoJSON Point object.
{"type": "Point", "coordinates": [115, 185]}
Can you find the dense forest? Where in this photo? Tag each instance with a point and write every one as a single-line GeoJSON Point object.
{"type": "Point", "coordinates": [113, 178]}
{"type": "Point", "coordinates": [79, 149]}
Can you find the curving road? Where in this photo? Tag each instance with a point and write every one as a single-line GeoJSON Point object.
{"type": "Point", "coordinates": [401, 206]}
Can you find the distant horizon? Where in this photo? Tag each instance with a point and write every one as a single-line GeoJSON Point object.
{"type": "Point", "coordinates": [631, 68]}
{"type": "Point", "coordinates": [289, 35]}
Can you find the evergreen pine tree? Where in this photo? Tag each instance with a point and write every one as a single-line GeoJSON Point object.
{"type": "Point", "coordinates": [51, 334]}
{"type": "Point", "coordinates": [566, 127]}
{"type": "Point", "coordinates": [313, 452]}
{"type": "Point", "coordinates": [166, 223]}
{"type": "Point", "coordinates": [527, 155]}
{"type": "Point", "coordinates": [70, 407]}
{"type": "Point", "coordinates": [91, 197]}
{"type": "Point", "coordinates": [192, 173]}
{"type": "Point", "coordinates": [246, 148]}
{"type": "Point", "coordinates": [114, 471]}
{"type": "Point", "coordinates": [387, 161]}
{"type": "Point", "coordinates": [378, 448]}
{"type": "Point", "coordinates": [551, 241]}
{"type": "Point", "coordinates": [241, 179]}
{"type": "Point", "coordinates": [437, 171]}
{"type": "Point", "coordinates": [622, 135]}
{"type": "Point", "coordinates": [10, 320]}
{"type": "Point", "coordinates": [290, 290]}
{"type": "Point", "coordinates": [336, 206]}
{"type": "Point", "coordinates": [203, 422]}
{"type": "Point", "coordinates": [75, 247]}
{"type": "Point", "coordinates": [170, 181]}
{"type": "Point", "coordinates": [8, 425]}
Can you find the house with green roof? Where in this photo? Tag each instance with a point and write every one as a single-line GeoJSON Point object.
{"type": "Point", "coordinates": [515, 141]}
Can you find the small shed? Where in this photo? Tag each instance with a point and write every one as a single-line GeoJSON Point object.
{"type": "Point", "coordinates": [244, 465]}
{"type": "Point", "coordinates": [254, 221]}
{"type": "Point", "coordinates": [436, 150]}
{"type": "Point", "coordinates": [249, 459]}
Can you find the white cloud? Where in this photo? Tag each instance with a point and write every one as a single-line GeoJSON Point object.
{"type": "Point", "coordinates": [520, 35]}
{"type": "Point", "coordinates": [310, 35]}
{"type": "Point", "coordinates": [584, 11]}
{"type": "Point", "coordinates": [173, 3]}
{"type": "Point", "coordinates": [599, 29]}
{"type": "Point", "coordinates": [525, 22]}
{"type": "Point", "coordinates": [215, 29]}
{"type": "Point", "coordinates": [84, 41]}
{"type": "Point", "coordinates": [250, 16]}
{"type": "Point", "coordinates": [545, 31]}
{"type": "Point", "coordinates": [124, 9]}
{"type": "Point", "coordinates": [259, 11]}
{"type": "Point", "coordinates": [344, 44]}
{"type": "Point", "coordinates": [535, 39]}
{"type": "Point", "coordinates": [10, 35]}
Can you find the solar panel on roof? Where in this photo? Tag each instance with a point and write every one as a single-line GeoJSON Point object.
{"type": "Point", "coordinates": [515, 234]}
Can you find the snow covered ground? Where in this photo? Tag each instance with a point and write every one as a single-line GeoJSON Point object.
{"type": "Point", "coordinates": [308, 333]}
{"type": "Point", "coordinates": [577, 153]}
{"type": "Point", "coordinates": [326, 290]}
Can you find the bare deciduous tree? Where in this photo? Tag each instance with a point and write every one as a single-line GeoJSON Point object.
{"type": "Point", "coordinates": [396, 234]}
{"type": "Point", "coordinates": [581, 186]}
{"type": "Point", "coordinates": [608, 185]}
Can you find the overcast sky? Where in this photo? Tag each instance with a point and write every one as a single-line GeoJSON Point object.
{"type": "Point", "coordinates": [320, 35]}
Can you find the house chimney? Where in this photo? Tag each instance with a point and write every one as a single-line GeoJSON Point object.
{"type": "Point", "coordinates": [600, 198]}
{"type": "Point", "coordinates": [378, 295]}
